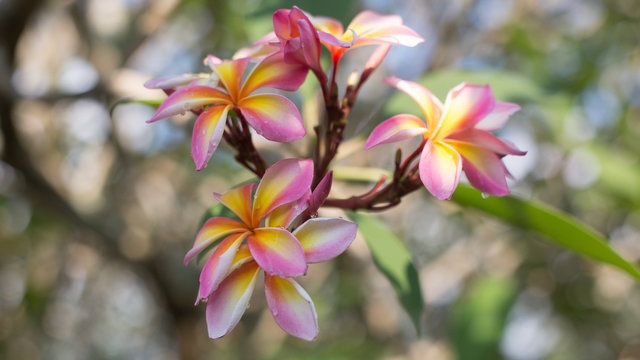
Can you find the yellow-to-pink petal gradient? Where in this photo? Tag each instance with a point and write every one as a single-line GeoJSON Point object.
{"type": "Point", "coordinates": [325, 238]}
{"type": "Point", "coordinates": [484, 169]}
{"type": "Point", "coordinates": [212, 230]}
{"type": "Point", "coordinates": [283, 215]}
{"type": "Point", "coordinates": [292, 307]}
{"type": "Point", "coordinates": [285, 181]}
{"type": "Point", "coordinates": [189, 98]}
{"type": "Point", "coordinates": [430, 105]}
{"type": "Point", "coordinates": [277, 252]}
{"type": "Point", "coordinates": [327, 24]}
{"type": "Point", "coordinates": [273, 116]}
{"type": "Point", "coordinates": [230, 74]}
{"type": "Point", "coordinates": [243, 256]}
{"type": "Point", "coordinates": [370, 26]}
{"type": "Point", "coordinates": [217, 267]}
{"type": "Point", "coordinates": [466, 105]}
{"type": "Point", "coordinates": [238, 200]}
{"type": "Point", "coordinates": [485, 140]}
{"type": "Point", "coordinates": [396, 128]}
{"type": "Point", "coordinates": [207, 133]}
{"type": "Point", "coordinates": [273, 72]}
{"type": "Point", "coordinates": [228, 302]}
{"type": "Point", "coordinates": [440, 166]}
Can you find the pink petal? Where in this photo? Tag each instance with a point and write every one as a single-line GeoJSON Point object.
{"type": "Point", "coordinates": [273, 116]}
{"type": "Point", "coordinates": [397, 35]}
{"type": "Point", "coordinates": [498, 117]}
{"type": "Point", "coordinates": [291, 307]}
{"type": "Point", "coordinates": [440, 167]}
{"type": "Point", "coordinates": [214, 229]}
{"type": "Point", "coordinates": [292, 50]}
{"type": "Point", "coordinates": [269, 39]}
{"type": "Point", "coordinates": [330, 39]}
{"type": "Point", "coordinates": [238, 200]}
{"type": "Point", "coordinates": [277, 252]}
{"type": "Point", "coordinates": [466, 105]}
{"type": "Point", "coordinates": [430, 105]}
{"type": "Point", "coordinates": [329, 25]}
{"type": "Point", "coordinates": [189, 98]}
{"type": "Point", "coordinates": [484, 169]}
{"type": "Point", "coordinates": [394, 129]}
{"type": "Point", "coordinates": [256, 52]}
{"type": "Point", "coordinates": [226, 304]}
{"type": "Point", "coordinates": [373, 27]}
{"type": "Point", "coordinates": [230, 74]}
{"type": "Point", "coordinates": [281, 24]}
{"type": "Point", "coordinates": [284, 23]}
{"type": "Point", "coordinates": [481, 138]}
{"type": "Point", "coordinates": [274, 72]}
{"type": "Point", "coordinates": [172, 82]}
{"type": "Point", "coordinates": [325, 238]}
{"type": "Point", "coordinates": [310, 43]}
{"type": "Point", "coordinates": [283, 215]}
{"type": "Point", "coordinates": [217, 267]}
{"type": "Point", "coordinates": [368, 19]}
{"type": "Point", "coordinates": [207, 133]}
{"type": "Point", "coordinates": [285, 181]}
{"type": "Point", "coordinates": [243, 256]}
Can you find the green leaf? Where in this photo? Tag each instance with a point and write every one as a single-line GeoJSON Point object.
{"type": "Point", "coordinates": [560, 227]}
{"type": "Point", "coordinates": [479, 317]}
{"type": "Point", "coordinates": [394, 260]}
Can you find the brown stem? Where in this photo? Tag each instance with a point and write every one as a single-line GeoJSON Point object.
{"type": "Point", "coordinates": [385, 198]}
{"type": "Point", "coordinates": [389, 196]}
{"type": "Point", "coordinates": [239, 137]}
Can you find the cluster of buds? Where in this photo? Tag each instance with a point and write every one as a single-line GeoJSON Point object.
{"type": "Point", "coordinates": [276, 229]}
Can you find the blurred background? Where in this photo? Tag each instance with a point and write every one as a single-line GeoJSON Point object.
{"type": "Point", "coordinates": [97, 208]}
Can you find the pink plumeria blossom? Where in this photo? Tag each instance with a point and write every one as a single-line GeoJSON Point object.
{"type": "Point", "coordinates": [260, 241]}
{"type": "Point", "coordinates": [295, 35]}
{"type": "Point", "coordinates": [368, 27]}
{"type": "Point", "coordinates": [273, 116]}
{"type": "Point", "coordinates": [457, 137]}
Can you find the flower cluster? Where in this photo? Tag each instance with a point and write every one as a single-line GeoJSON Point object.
{"type": "Point", "coordinates": [276, 230]}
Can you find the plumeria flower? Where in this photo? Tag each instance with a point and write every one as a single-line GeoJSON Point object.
{"type": "Point", "coordinates": [368, 27]}
{"type": "Point", "coordinates": [260, 242]}
{"type": "Point", "coordinates": [456, 137]}
{"type": "Point", "coordinates": [273, 116]}
{"type": "Point", "coordinates": [297, 38]}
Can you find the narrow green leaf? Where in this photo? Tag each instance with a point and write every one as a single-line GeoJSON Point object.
{"type": "Point", "coordinates": [394, 260]}
{"type": "Point", "coordinates": [479, 316]}
{"type": "Point", "coordinates": [560, 227]}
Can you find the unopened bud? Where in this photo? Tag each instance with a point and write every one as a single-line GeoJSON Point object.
{"type": "Point", "coordinates": [353, 79]}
